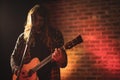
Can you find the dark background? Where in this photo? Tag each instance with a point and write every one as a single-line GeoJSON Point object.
{"type": "Point", "coordinates": [12, 18]}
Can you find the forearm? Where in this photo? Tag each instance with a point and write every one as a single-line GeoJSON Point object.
{"type": "Point", "coordinates": [63, 62]}
{"type": "Point", "coordinates": [12, 63]}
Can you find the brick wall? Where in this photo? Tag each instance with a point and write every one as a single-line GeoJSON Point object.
{"type": "Point", "coordinates": [98, 22]}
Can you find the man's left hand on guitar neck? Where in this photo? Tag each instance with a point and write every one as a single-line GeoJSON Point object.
{"type": "Point", "coordinates": [59, 56]}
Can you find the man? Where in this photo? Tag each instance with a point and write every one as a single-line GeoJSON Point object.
{"type": "Point", "coordinates": [42, 40]}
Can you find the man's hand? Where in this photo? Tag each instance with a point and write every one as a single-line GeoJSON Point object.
{"type": "Point", "coordinates": [60, 57]}
{"type": "Point", "coordinates": [57, 55]}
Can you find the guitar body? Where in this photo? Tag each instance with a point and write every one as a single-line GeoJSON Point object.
{"type": "Point", "coordinates": [26, 68]}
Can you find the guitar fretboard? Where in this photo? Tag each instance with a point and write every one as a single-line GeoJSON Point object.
{"type": "Point", "coordinates": [42, 63]}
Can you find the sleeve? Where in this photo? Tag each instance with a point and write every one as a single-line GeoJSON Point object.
{"type": "Point", "coordinates": [15, 56]}
{"type": "Point", "coordinates": [59, 43]}
{"type": "Point", "coordinates": [59, 40]}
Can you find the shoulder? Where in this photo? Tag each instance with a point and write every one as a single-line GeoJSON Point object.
{"type": "Point", "coordinates": [20, 37]}
{"type": "Point", "coordinates": [55, 30]}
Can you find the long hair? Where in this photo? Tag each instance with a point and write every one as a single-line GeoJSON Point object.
{"type": "Point", "coordinates": [28, 25]}
{"type": "Point", "coordinates": [37, 9]}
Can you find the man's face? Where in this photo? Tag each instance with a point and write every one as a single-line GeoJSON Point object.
{"type": "Point", "coordinates": [38, 22]}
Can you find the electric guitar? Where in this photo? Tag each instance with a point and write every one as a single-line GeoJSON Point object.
{"type": "Point", "coordinates": [29, 71]}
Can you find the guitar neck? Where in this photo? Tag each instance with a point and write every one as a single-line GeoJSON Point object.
{"type": "Point", "coordinates": [42, 63]}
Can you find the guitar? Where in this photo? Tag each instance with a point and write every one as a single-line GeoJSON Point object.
{"type": "Point", "coordinates": [29, 71]}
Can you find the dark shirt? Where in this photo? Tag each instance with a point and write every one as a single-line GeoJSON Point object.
{"type": "Point", "coordinates": [40, 50]}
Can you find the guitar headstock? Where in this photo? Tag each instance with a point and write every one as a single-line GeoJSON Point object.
{"type": "Point", "coordinates": [73, 42]}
